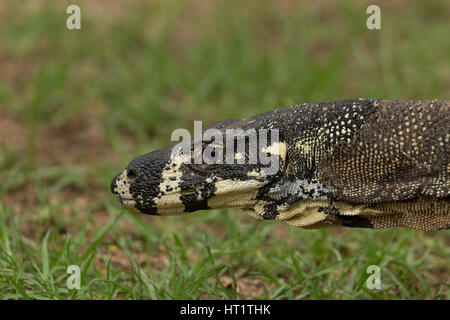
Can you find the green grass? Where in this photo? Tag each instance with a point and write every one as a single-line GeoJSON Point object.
{"type": "Point", "coordinates": [77, 106]}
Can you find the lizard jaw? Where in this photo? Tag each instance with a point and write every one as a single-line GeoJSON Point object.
{"type": "Point", "coordinates": [127, 203]}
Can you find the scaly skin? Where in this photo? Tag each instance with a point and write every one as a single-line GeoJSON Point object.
{"type": "Point", "coordinates": [355, 163]}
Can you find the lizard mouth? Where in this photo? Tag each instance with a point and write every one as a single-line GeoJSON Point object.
{"type": "Point", "coordinates": [176, 200]}
{"type": "Point", "coordinates": [126, 202]}
{"type": "Point", "coordinates": [168, 204]}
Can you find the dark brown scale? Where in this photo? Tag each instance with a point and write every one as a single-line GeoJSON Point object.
{"type": "Point", "coordinates": [396, 155]}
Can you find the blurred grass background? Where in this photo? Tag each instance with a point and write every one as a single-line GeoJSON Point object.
{"type": "Point", "coordinates": [77, 106]}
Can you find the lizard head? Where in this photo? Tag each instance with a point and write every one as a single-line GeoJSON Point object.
{"type": "Point", "coordinates": [171, 182]}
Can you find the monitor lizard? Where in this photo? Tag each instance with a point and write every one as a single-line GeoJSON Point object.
{"type": "Point", "coordinates": [367, 163]}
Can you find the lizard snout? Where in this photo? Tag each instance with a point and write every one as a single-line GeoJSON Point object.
{"type": "Point", "coordinates": [126, 177]}
{"type": "Point", "coordinates": [114, 185]}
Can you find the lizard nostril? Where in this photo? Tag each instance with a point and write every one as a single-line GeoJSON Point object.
{"type": "Point", "coordinates": [131, 174]}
